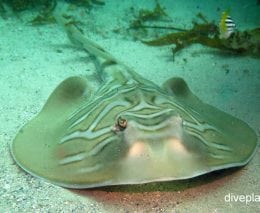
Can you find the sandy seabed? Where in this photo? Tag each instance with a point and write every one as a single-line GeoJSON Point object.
{"type": "Point", "coordinates": [34, 60]}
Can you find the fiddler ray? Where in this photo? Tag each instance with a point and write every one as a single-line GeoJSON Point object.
{"type": "Point", "coordinates": [126, 129]}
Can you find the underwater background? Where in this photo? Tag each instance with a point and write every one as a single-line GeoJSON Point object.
{"type": "Point", "coordinates": [36, 55]}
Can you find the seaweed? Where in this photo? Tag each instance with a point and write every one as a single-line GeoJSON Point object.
{"type": "Point", "coordinates": [20, 5]}
{"type": "Point", "coordinates": [45, 16]}
{"type": "Point", "coordinates": [241, 43]}
{"type": "Point", "coordinates": [2, 10]}
{"type": "Point", "coordinates": [86, 3]}
{"type": "Point", "coordinates": [45, 8]}
{"type": "Point", "coordinates": [199, 33]}
{"type": "Point", "coordinates": [156, 13]}
{"type": "Point", "coordinates": [145, 15]}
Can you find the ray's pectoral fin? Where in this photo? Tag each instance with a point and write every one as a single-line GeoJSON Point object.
{"type": "Point", "coordinates": [224, 140]}
{"type": "Point", "coordinates": [177, 87]}
{"type": "Point", "coordinates": [34, 144]}
{"type": "Point", "coordinates": [68, 95]}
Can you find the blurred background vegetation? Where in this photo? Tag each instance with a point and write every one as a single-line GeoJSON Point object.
{"type": "Point", "coordinates": [20, 5]}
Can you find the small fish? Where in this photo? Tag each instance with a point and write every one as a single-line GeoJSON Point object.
{"type": "Point", "coordinates": [226, 26]}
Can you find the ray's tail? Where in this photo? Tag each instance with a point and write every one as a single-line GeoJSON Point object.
{"type": "Point", "coordinates": [76, 37]}
{"type": "Point", "coordinates": [100, 57]}
{"type": "Point", "coordinates": [107, 67]}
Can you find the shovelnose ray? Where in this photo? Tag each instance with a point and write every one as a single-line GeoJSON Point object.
{"type": "Point", "coordinates": [127, 130]}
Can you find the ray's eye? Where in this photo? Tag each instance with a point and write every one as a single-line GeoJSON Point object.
{"type": "Point", "coordinates": [121, 123]}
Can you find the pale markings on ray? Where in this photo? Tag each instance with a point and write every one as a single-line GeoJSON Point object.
{"type": "Point", "coordinates": [83, 170]}
{"type": "Point", "coordinates": [89, 134]}
{"type": "Point", "coordinates": [155, 127]}
{"type": "Point", "coordinates": [89, 111]}
{"type": "Point", "coordinates": [81, 155]}
{"type": "Point", "coordinates": [151, 115]}
{"type": "Point", "coordinates": [196, 134]}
